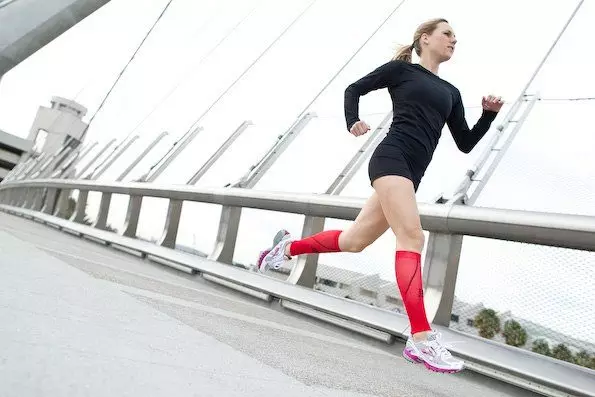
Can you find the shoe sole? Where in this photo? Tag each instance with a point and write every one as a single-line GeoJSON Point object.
{"type": "Point", "coordinates": [260, 261]}
{"type": "Point", "coordinates": [412, 358]}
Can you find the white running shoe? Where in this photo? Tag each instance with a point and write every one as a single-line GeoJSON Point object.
{"type": "Point", "coordinates": [274, 257]}
{"type": "Point", "coordinates": [433, 354]}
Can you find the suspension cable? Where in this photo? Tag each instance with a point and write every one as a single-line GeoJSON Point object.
{"type": "Point", "coordinates": [125, 67]}
{"type": "Point", "coordinates": [200, 61]}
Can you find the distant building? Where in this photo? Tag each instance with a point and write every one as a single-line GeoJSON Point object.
{"type": "Point", "coordinates": [12, 150]}
{"type": "Point", "coordinates": [53, 127]}
{"type": "Point", "coordinates": [51, 130]}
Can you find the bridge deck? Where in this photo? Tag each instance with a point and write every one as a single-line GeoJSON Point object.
{"type": "Point", "coordinates": [83, 319]}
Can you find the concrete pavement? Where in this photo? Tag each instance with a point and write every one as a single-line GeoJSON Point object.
{"type": "Point", "coordinates": [80, 319]}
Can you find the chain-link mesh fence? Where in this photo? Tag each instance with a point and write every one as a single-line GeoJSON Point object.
{"type": "Point", "coordinates": [530, 296]}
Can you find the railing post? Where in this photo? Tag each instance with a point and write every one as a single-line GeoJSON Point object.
{"type": "Point", "coordinates": [27, 198]}
{"type": "Point", "coordinates": [229, 222]}
{"type": "Point", "coordinates": [104, 204]}
{"type": "Point", "coordinates": [440, 276]}
{"type": "Point", "coordinates": [50, 201]}
{"type": "Point", "coordinates": [36, 199]}
{"type": "Point", "coordinates": [440, 271]}
{"type": "Point", "coordinates": [132, 216]}
{"type": "Point", "coordinates": [62, 203]}
{"type": "Point", "coordinates": [304, 271]}
{"type": "Point", "coordinates": [81, 207]}
{"type": "Point", "coordinates": [227, 235]}
{"type": "Point", "coordinates": [5, 196]}
{"type": "Point", "coordinates": [172, 222]}
{"type": "Point", "coordinates": [17, 196]}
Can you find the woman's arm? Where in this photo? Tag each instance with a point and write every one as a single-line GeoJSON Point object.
{"type": "Point", "coordinates": [382, 77]}
{"type": "Point", "coordinates": [465, 138]}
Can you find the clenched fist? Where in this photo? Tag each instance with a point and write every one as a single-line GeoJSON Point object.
{"type": "Point", "coordinates": [359, 128]}
{"type": "Point", "coordinates": [492, 103]}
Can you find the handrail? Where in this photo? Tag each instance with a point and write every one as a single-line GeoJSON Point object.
{"type": "Point", "coordinates": [448, 223]}
{"type": "Point", "coordinates": [552, 229]}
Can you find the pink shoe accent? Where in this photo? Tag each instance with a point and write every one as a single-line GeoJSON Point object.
{"type": "Point", "coordinates": [440, 370]}
{"type": "Point", "coordinates": [410, 356]}
{"type": "Point", "coordinates": [261, 258]}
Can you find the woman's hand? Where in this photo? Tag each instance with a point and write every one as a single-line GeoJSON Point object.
{"type": "Point", "coordinates": [492, 103]}
{"type": "Point", "coordinates": [359, 128]}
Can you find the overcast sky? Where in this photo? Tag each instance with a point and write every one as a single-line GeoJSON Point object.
{"type": "Point", "coordinates": [199, 49]}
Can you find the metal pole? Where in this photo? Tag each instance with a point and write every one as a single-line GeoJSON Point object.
{"type": "Point", "coordinates": [29, 165]}
{"type": "Point", "coordinates": [257, 171]}
{"type": "Point", "coordinates": [209, 163]}
{"type": "Point", "coordinates": [169, 157]}
{"type": "Point", "coordinates": [124, 69]}
{"type": "Point", "coordinates": [349, 60]}
{"type": "Point", "coordinates": [53, 165]}
{"type": "Point", "coordinates": [578, 6]}
{"type": "Point", "coordinates": [151, 146]}
{"type": "Point", "coordinates": [195, 66]}
{"type": "Point", "coordinates": [56, 172]}
{"type": "Point", "coordinates": [500, 151]}
{"type": "Point", "coordinates": [113, 159]}
{"type": "Point", "coordinates": [465, 184]}
{"type": "Point", "coordinates": [66, 169]}
{"type": "Point", "coordinates": [254, 62]}
{"type": "Point", "coordinates": [364, 152]}
{"type": "Point", "coordinates": [90, 163]}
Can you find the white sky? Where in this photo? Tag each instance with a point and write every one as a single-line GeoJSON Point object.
{"type": "Point", "coordinates": [182, 70]}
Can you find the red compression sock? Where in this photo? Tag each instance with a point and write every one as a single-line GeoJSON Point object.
{"type": "Point", "coordinates": [327, 241]}
{"type": "Point", "coordinates": [408, 271]}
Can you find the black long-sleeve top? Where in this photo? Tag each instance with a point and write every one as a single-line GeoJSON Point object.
{"type": "Point", "coordinates": [422, 104]}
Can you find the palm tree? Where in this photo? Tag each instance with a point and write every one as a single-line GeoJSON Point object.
{"type": "Point", "coordinates": [514, 333]}
{"type": "Point", "coordinates": [542, 347]}
{"type": "Point", "coordinates": [562, 352]}
{"type": "Point", "coordinates": [584, 359]}
{"type": "Point", "coordinates": [488, 323]}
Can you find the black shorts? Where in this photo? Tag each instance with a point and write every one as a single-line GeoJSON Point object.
{"type": "Point", "coordinates": [390, 159]}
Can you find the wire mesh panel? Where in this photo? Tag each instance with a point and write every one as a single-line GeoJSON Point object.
{"type": "Point", "coordinates": [531, 296]}
{"type": "Point", "coordinates": [549, 165]}
{"type": "Point", "coordinates": [524, 295]}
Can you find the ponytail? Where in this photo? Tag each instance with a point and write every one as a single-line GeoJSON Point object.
{"type": "Point", "coordinates": [405, 53]}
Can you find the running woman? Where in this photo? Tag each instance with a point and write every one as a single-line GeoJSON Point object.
{"type": "Point", "coordinates": [422, 104]}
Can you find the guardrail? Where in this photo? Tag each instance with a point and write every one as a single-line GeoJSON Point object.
{"type": "Point", "coordinates": [447, 224]}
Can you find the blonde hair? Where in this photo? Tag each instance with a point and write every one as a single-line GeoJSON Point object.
{"type": "Point", "coordinates": [405, 53]}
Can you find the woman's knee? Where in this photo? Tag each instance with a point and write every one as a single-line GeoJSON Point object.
{"type": "Point", "coordinates": [411, 237]}
{"type": "Point", "coordinates": [349, 243]}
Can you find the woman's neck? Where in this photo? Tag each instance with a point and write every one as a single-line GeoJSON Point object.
{"type": "Point", "coordinates": [430, 64]}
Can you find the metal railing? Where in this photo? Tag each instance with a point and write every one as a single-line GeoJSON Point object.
{"type": "Point", "coordinates": [447, 223]}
